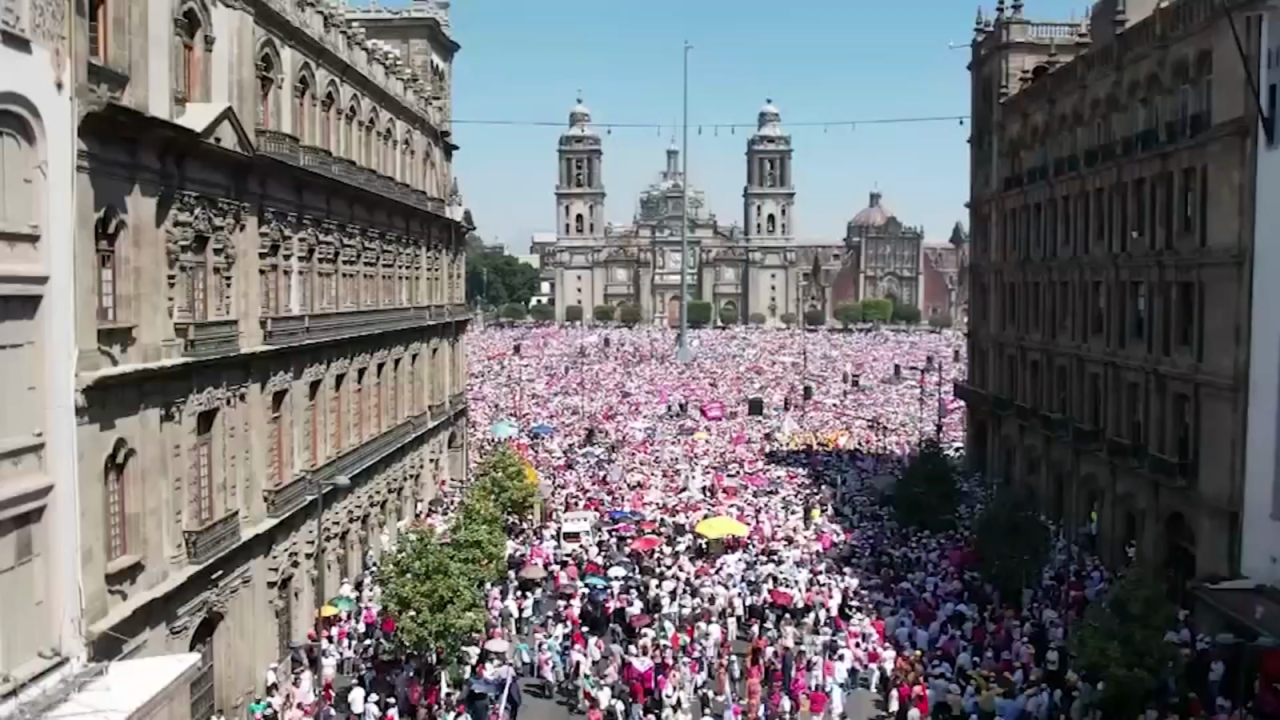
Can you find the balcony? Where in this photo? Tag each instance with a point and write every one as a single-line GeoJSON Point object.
{"type": "Point", "coordinates": [1024, 413]}
{"type": "Point", "coordinates": [1128, 145]}
{"type": "Point", "coordinates": [1148, 140]}
{"type": "Point", "coordinates": [213, 539]}
{"type": "Point", "coordinates": [209, 338]}
{"type": "Point", "coordinates": [457, 400]}
{"type": "Point", "coordinates": [1199, 124]}
{"type": "Point", "coordinates": [1119, 448]}
{"type": "Point", "coordinates": [273, 143]}
{"type": "Point", "coordinates": [1073, 163]}
{"type": "Point", "coordinates": [1059, 167]}
{"type": "Point", "coordinates": [1173, 131]}
{"type": "Point", "coordinates": [320, 327]}
{"type": "Point", "coordinates": [436, 410]}
{"type": "Point", "coordinates": [1086, 436]}
{"type": "Point", "coordinates": [968, 393]}
{"type": "Point", "coordinates": [373, 450]}
{"type": "Point", "coordinates": [1054, 424]}
{"type": "Point", "coordinates": [283, 500]}
{"type": "Point", "coordinates": [1091, 157]}
{"type": "Point", "coordinates": [1107, 152]}
{"type": "Point", "coordinates": [317, 159]}
{"type": "Point", "coordinates": [1001, 404]}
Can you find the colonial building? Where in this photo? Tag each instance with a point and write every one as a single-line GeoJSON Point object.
{"type": "Point", "coordinates": [763, 270]}
{"type": "Point", "coordinates": [944, 268]}
{"type": "Point", "coordinates": [884, 256]}
{"type": "Point", "coordinates": [270, 314]}
{"type": "Point", "coordinates": [1111, 221]}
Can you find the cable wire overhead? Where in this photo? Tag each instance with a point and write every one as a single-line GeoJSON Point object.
{"type": "Point", "coordinates": [717, 127]}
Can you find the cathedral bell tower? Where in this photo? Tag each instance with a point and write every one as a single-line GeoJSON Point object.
{"type": "Point", "coordinates": [580, 188]}
{"type": "Point", "coordinates": [769, 197]}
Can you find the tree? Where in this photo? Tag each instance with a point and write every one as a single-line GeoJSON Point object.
{"type": "Point", "coordinates": [906, 314]}
{"type": "Point", "coordinates": [699, 313]}
{"type": "Point", "coordinates": [542, 312]}
{"type": "Point", "coordinates": [513, 311]}
{"type": "Point", "coordinates": [877, 310]}
{"type": "Point", "coordinates": [498, 278]}
{"type": "Point", "coordinates": [477, 539]}
{"type": "Point", "coordinates": [502, 479]}
{"type": "Point", "coordinates": [940, 321]}
{"type": "Point", "coordinates": [729, 315]}
{"type": "Point", "coordinates": [573, 314]}
{"type": "Point", "coordinates": [788, 319]}
{"type": "Point", "coordinates": [1012, 543]}
{"type": "Point", "coordinates": [814, 317]}
{"type": "Point", "coordinates": [629, 315]}
{"type": "Point", "coordinates": [926, 495]}
{"type": "Point", "coordinates": [603, 313]}
{"type": "Point", "coordinates": [1121, 641]}
{"type": "Point", "coordinates": [434, 600]}
{"type": "Point", "coordinates": [757, 319]}
{"type": "Point", "coordinates": [849, 313]}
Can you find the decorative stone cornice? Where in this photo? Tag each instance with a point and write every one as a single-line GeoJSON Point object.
{"type": "Point", "coordinates": [278, 381]}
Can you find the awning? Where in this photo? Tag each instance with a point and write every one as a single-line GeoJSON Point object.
{"type": "Point", "coordinates": [132, 689]}
{"type": "Point", "coordinates": [1248, 604]}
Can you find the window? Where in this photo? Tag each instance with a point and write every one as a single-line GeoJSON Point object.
{"type": "Point", "coordinates": [414, 401]}
{"type": "Point", "coordinates": [1097, 318]}
{"type": "Point", "coordinates": [315, 424]}
{"type": "Point", "coordinates": [202, 469]}
{"type": "Point", "coordinates": [197, 288]}
{"type": "Point", "coordinates": [338, 413]}
{"type": "Point", "coordinates": [1202, 213]}
{"type": "Point", "coordinates": [376, 401]}
{"type": "Point", "coordinates": [578, 223]}
{"type": "Point", "coordinates": [370, 147]}
{"type": "Point", "coordinates": [1185, 314]}
{"type": "Point", "coordinates": [25, 627]}
{"type": "Point", "coordinates": [771, 224]}
{"type": "Point", "coordinates": [281, 457]}
{"type": "Point", "coordinates": [1096, 402]}
{"type": "Point", "coordinates": [1182, 427]}
{"type": "Point", "coordinates": [393, 392]}
{"type": "Point", "coordinates": [117, 520]}
{"type": "Point", "coordinates": [18, 173]}
{"type": "Point", "coordinates": [189, 30]}
{"type": "Point", "coordinates": [266, 91]}
{"type": "Point", "coordinates": [1189, 199]}
{"type": "Point", "coordinates": [302, 111]}
{"type": "Point", "coordinates": [359, 413]}
{"type": "Point", "coordinates": [350, 146]}
{"type": "Point", "coordinates": [1133, 408]}
{"type": "Point", "coordinates": [1138, 310]}
{"type": "Point", "coordinates": [98, 28]}
{"type": "Point", "coordinates": [106, 230]}
{"type": "Point", "coordinates": [329, 122]}
{"type": "Point", "coordinates": [1060, 389]}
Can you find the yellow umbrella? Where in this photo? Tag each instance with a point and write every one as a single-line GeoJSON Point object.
{"type": "Point", "coordinates": [700, 436]}
{"type": "Point", "coordinates": [720, 527]}
{"type": "Point", "coordinates": [327, 611]}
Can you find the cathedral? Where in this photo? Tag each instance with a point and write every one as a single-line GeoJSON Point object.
{"type": "Point", "coordinates": [760, 268]}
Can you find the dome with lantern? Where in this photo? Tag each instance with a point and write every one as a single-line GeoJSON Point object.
{"type": "Point", "coordinates": [875, 215]}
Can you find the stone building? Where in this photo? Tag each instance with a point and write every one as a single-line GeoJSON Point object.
{"type": "Point", "coordinates": [1110, 214]}
{"type": "Point", "coordinates": [764, 269]}
{"type": "Point", "coordinates": [944, 270]}
{"type": "Point", "coordinates": [884, 255]}
{"type": "Point", "coordinates": [270, 314]}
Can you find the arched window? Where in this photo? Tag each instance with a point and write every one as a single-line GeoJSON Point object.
{"type": "Point", "coordinates": [408, 160]}
{"type": "Point", "coordinates": [371, 155]}
{"type": "Point", "coordinates": [329, 128]}
{"type": "Point", "coordinates": [389, 151]}
{"type": "Point", "coordinates": [190, 29]}
{"type": "Point", "coordinates": [302, 111]}
{"type": "Point", "coordinates": [116, 471]}
{"type": "Point", "coordinates": [19, 165]}
{"type": "Point", "coordinates": [771, 224]}
{"type": "Point", "coordinates": [266, 91]}
{"type": "Point", "coordinates": [98, 30]}
{"type": "Point", "coordinates": [577, 223]}
{"type": "Point", "coordinates": [106, 231]}
{"type": "Point", "coordinates": [350, 146]}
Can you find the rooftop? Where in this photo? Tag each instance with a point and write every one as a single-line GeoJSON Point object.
{"type": "Point", "coordinates": [126, 689]}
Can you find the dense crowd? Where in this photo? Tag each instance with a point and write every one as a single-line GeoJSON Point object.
{"type": "Point", "coordinates": [694, 558]}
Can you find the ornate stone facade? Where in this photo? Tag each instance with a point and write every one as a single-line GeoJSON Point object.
{"type": "Point", "coordinates": [269, 296]}
{"type": "Point", "coordinates": [767, 271]}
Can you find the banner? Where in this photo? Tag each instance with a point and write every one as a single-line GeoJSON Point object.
{"type": "Point", "coordinates": [713, 411]}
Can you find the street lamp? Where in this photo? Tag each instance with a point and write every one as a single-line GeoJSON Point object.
{"type": "Point", "coordinates": [683, 354]}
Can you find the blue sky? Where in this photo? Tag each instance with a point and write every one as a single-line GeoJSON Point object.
{"type": "Point", "coordinates": [819, 60]}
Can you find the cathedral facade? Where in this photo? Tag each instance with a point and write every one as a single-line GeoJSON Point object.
{"type": "Point", "coordinates": [760, 268]}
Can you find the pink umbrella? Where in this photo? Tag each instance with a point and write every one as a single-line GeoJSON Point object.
{"type": "Point", "coordinates": [646, 543]}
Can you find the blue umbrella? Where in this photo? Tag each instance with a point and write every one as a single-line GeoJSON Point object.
{"type": "Point", "coordinates": [619, 515]}
{"type": "Point", "coordinates": [596, 581]}
{"type": "Point", "coordinates": [504, 429]}
{"type": "Point", "coordinates": [542, 429]}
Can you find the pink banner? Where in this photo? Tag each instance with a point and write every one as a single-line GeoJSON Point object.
{"type": "Point", "coordinates": [713, 411]}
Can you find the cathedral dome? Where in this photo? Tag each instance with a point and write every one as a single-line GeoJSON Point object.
{"type": "Point", "coordinates": [580, 120]}
{"type": "Point", "coordinates": [874, 215]}
{"type": "Point", "coordinates": [769, 120]}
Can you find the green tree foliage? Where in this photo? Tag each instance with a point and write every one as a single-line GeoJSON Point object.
{"type": "Point", "coordinates": [477, 539]}
{"type": "Point", "coordinates": [729, 315]}
{"type": "Point", "coordinates": [501, 478]}
{"type": "Point", "coordinates": [603, 313]}
{"type": "Point", "coordinates": [573, 313]}
{"type": "Point", "coordinates": [757, 318]}
{"type": "Point", "coordinates": [699, 313]}
{"type": "Point", "coordinates": [877, 310]}
{"type": "Point", "coordinates": [1121, 640]}
{"type": "Point", "coordinates": [513, 311]}
{"type": "Point", "coordinates": [906, 314]}
{"type": "Point", "coordinates": [434, 599]}
{"type": "Point", "coordinates": [814, 318]}
{"type": "Point", "coordinates": [497, 278]}
{"type": "Point", "coordinates": [941, 320]}
{"type": "Point", "coordinates": [542, 312]}
{"type": "Point", "coordinates": [849, 313]}
{"type": "Point", "coordinates": [926, 495]}
{"type": "Point", "coordinates": [629, 315]}
{"type": "Point", "coordinates": [1012, 542]}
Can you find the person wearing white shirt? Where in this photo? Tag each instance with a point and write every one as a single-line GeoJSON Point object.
{"type": "Point", "coordinates": [355, 700]}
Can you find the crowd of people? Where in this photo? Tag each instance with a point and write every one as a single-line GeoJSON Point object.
{"type": "Point", "coordinates": [711, 542]}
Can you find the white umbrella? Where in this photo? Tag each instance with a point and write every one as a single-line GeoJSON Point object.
{"type": "Point", "coordinates": [617, 571]}
{"type": "Point", "coordinates": [497, 645]}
